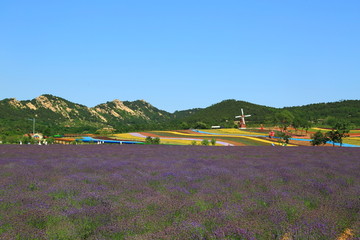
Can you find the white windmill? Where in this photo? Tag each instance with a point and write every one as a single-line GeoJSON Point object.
{"type": "Point", "coordinates": [242, 117]}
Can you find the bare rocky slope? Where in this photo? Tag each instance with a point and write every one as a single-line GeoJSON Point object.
{"type": "Point", "coordinates": [56, 111]}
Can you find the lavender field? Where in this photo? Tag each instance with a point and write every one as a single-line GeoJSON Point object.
{"type": "Point", "coordinates": [178, 192]}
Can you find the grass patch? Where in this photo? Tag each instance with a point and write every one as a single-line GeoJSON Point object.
{"type": "Point", "coordinates": [33, 187]}
{"type": "Point", "coordinates": [37, 222]}
{"type": "Point", "coordinates": [177, 216]}
{"type": "Point", "coordinates": [238, 197]}
{"type": "Point", "coordinates": [262, 203]}
{"type": "Point", "coordinates": [202, 205]}
{"type": "Point", "coordinates": [292, 213]}
{"type": "Point", "coordinates": [6, 205]}
{"type": "Point", "coordinates": [311, 204]}
{"type": "Point", "coordinates": [157, 185]}
{"type": "Point", "coordinates": [89, 202]}
{"type": "Point", "coordinates": [62, 194]}
{"type": "Point", "coordinates": [4, 228]}
{"type": "Point", "coordinates": [63, 228]}
{"type": "Point", "coordinates": [60, 228]}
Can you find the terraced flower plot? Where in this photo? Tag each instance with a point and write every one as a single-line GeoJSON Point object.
{"type": "Point", "coordinates": [229, 137]}
{"type": "Point", "coordinates": [178, 192]}
{"type": "Point", "coordinates": [186, 137]}
{"type": "Point", "coordinates": [222, 137]}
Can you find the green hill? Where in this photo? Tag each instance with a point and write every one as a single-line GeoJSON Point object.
{"type": "Point", "coordinates": [326, 113]}
{"type": "Point", "coordinates": [55, 115]}
{"type": "Point", "coordinates": [224, 113]}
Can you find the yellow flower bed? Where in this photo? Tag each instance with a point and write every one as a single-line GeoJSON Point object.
{"type": "Point", "coordinates": [208, 135]}
{"type": "Point", "coordinates": [352, 140]}
{"type": "Point", "coordinates": [327, 130]}
{"type": "Point", "coordinates": [167, 140]}
{"type": "Point", "coordinates": [184, 142]}
{"type": "Point", "coordinates": [266, 141]}
{"type": "Point", "coordinates": [127, 136]}
{"type": "Point", "coordinates": [233, 131]}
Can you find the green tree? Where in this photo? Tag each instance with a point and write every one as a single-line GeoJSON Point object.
{"type": "Point", "coordinates": [200, 125]}
{"type": "Point", "coordinates": [47, 131]}
{"type": "Point", "coordinates": [305, 125]}
{"type": "Point", "coordinates": [283, 137]}
{"type": "Point", "coordinates": [339, 132]}
{"type": "Point", "coordinates": [296, 124]}
{"type": "Point", "coordinates": [184, 125]}
{"type": "Point", "coordinates": [330, 121]}
{"type": "Point", "coordinates": [213, 141]}
{"type": "Point", "coordinates": [319, 138]}
{"type": "Point", "coordinates": [50, 140]}
{"type": "Point", "coordinates": [284, 119]}
{"type": "Point", "coordinates": [156, 140]}
{"type": "Point", "coordinates": [148, 140]}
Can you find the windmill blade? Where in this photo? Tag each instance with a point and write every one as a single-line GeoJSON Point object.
{"type": "Point", "coordinates": [247, 116]}
{"type": "Point", "coordinates": [237, 116]}
{"type": "Point", "coordinates": [242, 112]}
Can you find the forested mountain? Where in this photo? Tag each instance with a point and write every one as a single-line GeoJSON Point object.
{"type": "Point", "coordinates": [224, 113]}
{"type": "Point", "coordinates": [55, 115]}
{"type": "Point", "coordinates": [326, 113]}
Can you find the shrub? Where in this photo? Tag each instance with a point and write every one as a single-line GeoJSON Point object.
{"type": "Point", "coordinates": [150, 140]}
{"type": "Point", "coordinates": [205, 142]}
{"type": "Point", "coordinates": [283, 137]}
{"type": "Point", "coordinates": [156, 140]}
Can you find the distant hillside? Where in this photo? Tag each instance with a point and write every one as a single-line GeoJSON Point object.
{"type": "Point", "coordinates": [60, 115]}
{"type": "Point", "coordinates": [348, 110]}
{"type": "Point", "coordinates": [185, 113]}
{"type": "Point", "coordinates": [224, 113]}
{"type": "Point", "coordinates": [57, 115]}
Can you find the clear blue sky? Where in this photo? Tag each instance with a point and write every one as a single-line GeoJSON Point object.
{"type": "Point", "coordinates": [181, 54]}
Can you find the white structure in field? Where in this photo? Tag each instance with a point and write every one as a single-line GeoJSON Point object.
{"type": "Point", "coordinates": [242, 124]}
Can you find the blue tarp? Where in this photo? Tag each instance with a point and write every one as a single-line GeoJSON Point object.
{"type": "Point", "coordinates": [90, 139]}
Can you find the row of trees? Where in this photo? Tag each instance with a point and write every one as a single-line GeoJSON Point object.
{"type": "Point", "coordinates": [204, 142]}
{"type": "Point", "coordinates": [284, 119]}
{"type": "Point", "coordinates": [339, 131]}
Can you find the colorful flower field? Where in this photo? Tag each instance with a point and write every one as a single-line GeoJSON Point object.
{"type": "Point", "coordinates": [178, 192]}
{"type": "Point", "coordinates": [228, 137]}
{"type": "Point", "coordinates": [222, 137]}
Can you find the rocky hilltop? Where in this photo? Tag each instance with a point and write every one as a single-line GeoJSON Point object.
{"type": "Point", "coordinates": [49, 109]}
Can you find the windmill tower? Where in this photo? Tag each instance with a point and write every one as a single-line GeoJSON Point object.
{"type": "Point", "coordinates": [242, 117]}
